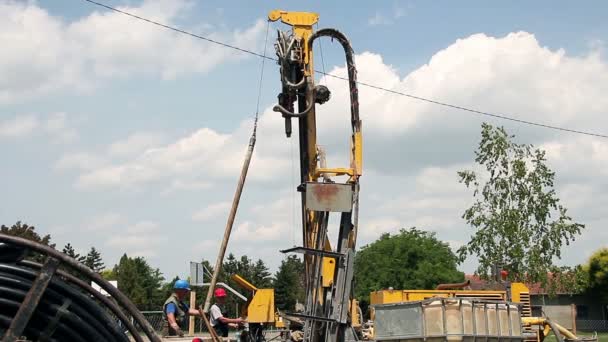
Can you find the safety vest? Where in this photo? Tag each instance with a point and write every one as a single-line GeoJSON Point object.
{"type": "Point", "coordinates": [181, 315]}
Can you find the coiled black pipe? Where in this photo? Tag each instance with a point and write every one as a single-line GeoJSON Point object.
{"type": "Point", "coordinates": [83, 319]}
{"type": "Point", "coordinates": [69, 309]}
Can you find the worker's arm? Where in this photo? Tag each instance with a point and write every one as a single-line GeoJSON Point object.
{"type": "Point", "coordinates": [172, 321]}
{"type": "Point", "coordinates": [194, 312]}
{"type": "Point", "coordinates": [173, 324]}
{"type": "Point", "coordinates": [231, 320]}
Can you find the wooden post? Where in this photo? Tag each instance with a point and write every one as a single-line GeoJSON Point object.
{"type": "Point", "coordinates": [192, 305]}
{"type": "Point", "coordinates": [573, 307]}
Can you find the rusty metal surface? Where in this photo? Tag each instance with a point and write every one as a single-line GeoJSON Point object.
{"type": "Point", "coordinates": [120, 298]}
{"type": "Point", "coordinates": [332, 197]}
{"type": "Point", "coordinates": [453, 285]}
{"type": "Point", "coordinates": [29, 304]}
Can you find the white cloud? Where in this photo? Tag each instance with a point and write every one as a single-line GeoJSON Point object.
{"type": "Point", "coordinates": [55, 126]}
{"type": "Point", "coordinates": [380, 18]}
{"type": "Point", "coordinates": [247, 231]}
{"type": "Point", "coordinates": [412, 149]}
{"type": "Point", "coordinates": [79, 161]}
{"type": "Point", "coordinates": [212, 211]}
{"type": "Point", "coordinates": [58, 127]}
{"type": "Point", "coordinates": [143, 227]}
{"type": "Point", "coordinates": [18, 126]}
{"type": "Point", "coordinates": [135, 143]}
{"type": "Point", "coordinates": [104, 222]}
{"type": "Point", "coordinates": [48, 53]}
{"type": "Point", "coordinates": [186, 185]}
{"type": "Point", "coordinates": [204, 153]}
{"type": "Point", "coordinates": [140, 239]}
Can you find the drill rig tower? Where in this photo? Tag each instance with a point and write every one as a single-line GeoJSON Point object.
{"type": "Point", "coordinates": [328, 270]}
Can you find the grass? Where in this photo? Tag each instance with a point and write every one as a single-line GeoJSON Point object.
{"type": "Point", "coordinates": [601, 337]}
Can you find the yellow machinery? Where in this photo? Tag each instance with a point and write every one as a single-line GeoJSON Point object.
{"type": "Point", "coordinates": [329, 306]}
{"type": "Point", "coordinates": [519, 293]}
{"type": "Point", "coordinates": [259, 308]}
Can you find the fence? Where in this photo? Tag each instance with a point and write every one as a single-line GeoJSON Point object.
{"type": "Point", "coordinates": [591, 325]}
{"type": "Point", "coordinates": [155, 318]}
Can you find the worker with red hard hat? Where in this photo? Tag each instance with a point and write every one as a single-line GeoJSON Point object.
{"type": "Point", "coordinates": [220, 323]}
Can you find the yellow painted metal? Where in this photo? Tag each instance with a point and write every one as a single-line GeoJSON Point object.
{"type": "Point", "coordinates": [544, 322]}
{"type": "Point", "coordinates": [338, 171]}
{"type": "Point", "coordinates": [401, 296]}
{"type": "Point", "coordinates": [358, 153]}
{"type": "Point", "coordinates": [329, 266]}
{"type": "Point", "coordinates": [243, 283]}
{"type": "Point", "coordinates": [302, 23]}
{"type": "Point", "coordinates": [516, 290]}
{"type": "Point", "coordinates": [354, 314]}
{"type": "Point", "coordinates": [261, 307]}
{"type": "Point", "coordinates": [278, 321]}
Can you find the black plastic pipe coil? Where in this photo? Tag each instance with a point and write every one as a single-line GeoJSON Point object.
{"type": "Point", "coordinates": [81, 317]}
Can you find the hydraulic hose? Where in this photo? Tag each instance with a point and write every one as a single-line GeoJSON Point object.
{"type": "Point", "coordinates": [350, 66]}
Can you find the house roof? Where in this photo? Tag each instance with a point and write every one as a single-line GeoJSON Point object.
{"type": "Point", "coordinates": [478, 284]}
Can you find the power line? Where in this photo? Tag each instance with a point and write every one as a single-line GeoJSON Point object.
{"type": "Point", "coordinates": [498, 116]}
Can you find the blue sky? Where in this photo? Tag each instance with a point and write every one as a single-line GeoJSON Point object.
{"type": "Point", "coordinates": [128, 137]}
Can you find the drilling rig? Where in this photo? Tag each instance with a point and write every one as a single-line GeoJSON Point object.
{"type": "Point", "coordinates": [329, 303]}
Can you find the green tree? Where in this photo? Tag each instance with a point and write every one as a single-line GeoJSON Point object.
{"type": "Point", "coordinates": [410, 259]}
{"type": "Point", "coordinates": [28, 232]}
{"type": "Point", "coordinates": [140, 282]}
{"type": "Point", "coordinates": [597, 269]}
{"type": "Point", "coordinates": [69, 250]}
{"type": "Point", "coordinates": [261, 276]}
{"type": "Point", "coordinates": [289, 283]}
{"type": "Point", "coordinates": [514, 204]}
{"type": "Point", "coordinates": [93, 260]}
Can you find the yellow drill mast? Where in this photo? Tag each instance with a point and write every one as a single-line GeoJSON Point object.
{"type": "Point", "coordinates": [329, 272]}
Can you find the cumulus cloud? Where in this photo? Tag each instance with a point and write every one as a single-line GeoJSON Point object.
{"type": "Point", "coordinates": [104, 222]}
{"type": "Point", "coordinates": [18, 126]}
{"type": "Point", "coordinates": [204, 152]}
{"type": "Point", "coordinates": [48, 53]}
{"type": "Point", "coordinates": [140, 239]}
{"type": "Point", "coordinates": [135, 143]}
{"type": "Point", "coordinates": [412, 149]}
{"type": "Point", "coordinates": [212, 211]}
{"type": "Point", "coordinates": [55, 126]}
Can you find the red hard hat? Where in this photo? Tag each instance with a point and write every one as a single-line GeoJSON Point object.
{"type": "Point", "coordinates": [219, 292]}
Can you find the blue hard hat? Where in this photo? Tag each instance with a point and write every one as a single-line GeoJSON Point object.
{"type": "Point", "coordinates": [182, 285]}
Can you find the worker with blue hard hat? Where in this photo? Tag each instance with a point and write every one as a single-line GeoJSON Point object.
{"type": "Point", "coordinates": [175, 311]}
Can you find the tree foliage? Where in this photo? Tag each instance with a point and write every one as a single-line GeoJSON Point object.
{"type": "Point", "coordinates": [597, 269]}
{"type": "Point", "coordinates": [513, 209]}
{"type": "Point", "coordinates": [410, 259]}
{"type": "Point", "coordinates": [69, 250]}
{"type": "Point", "coordinates": [28, 232]}
{"type": "Point", "coordinates": [289, 283]}
{"type": "Point", "coordinates": [93, 260]}
{"type": "Point", "coordinates": [140, 282]}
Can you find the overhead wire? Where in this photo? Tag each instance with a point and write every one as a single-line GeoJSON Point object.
{"type": "Point", "coordinates": [322, 72]}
